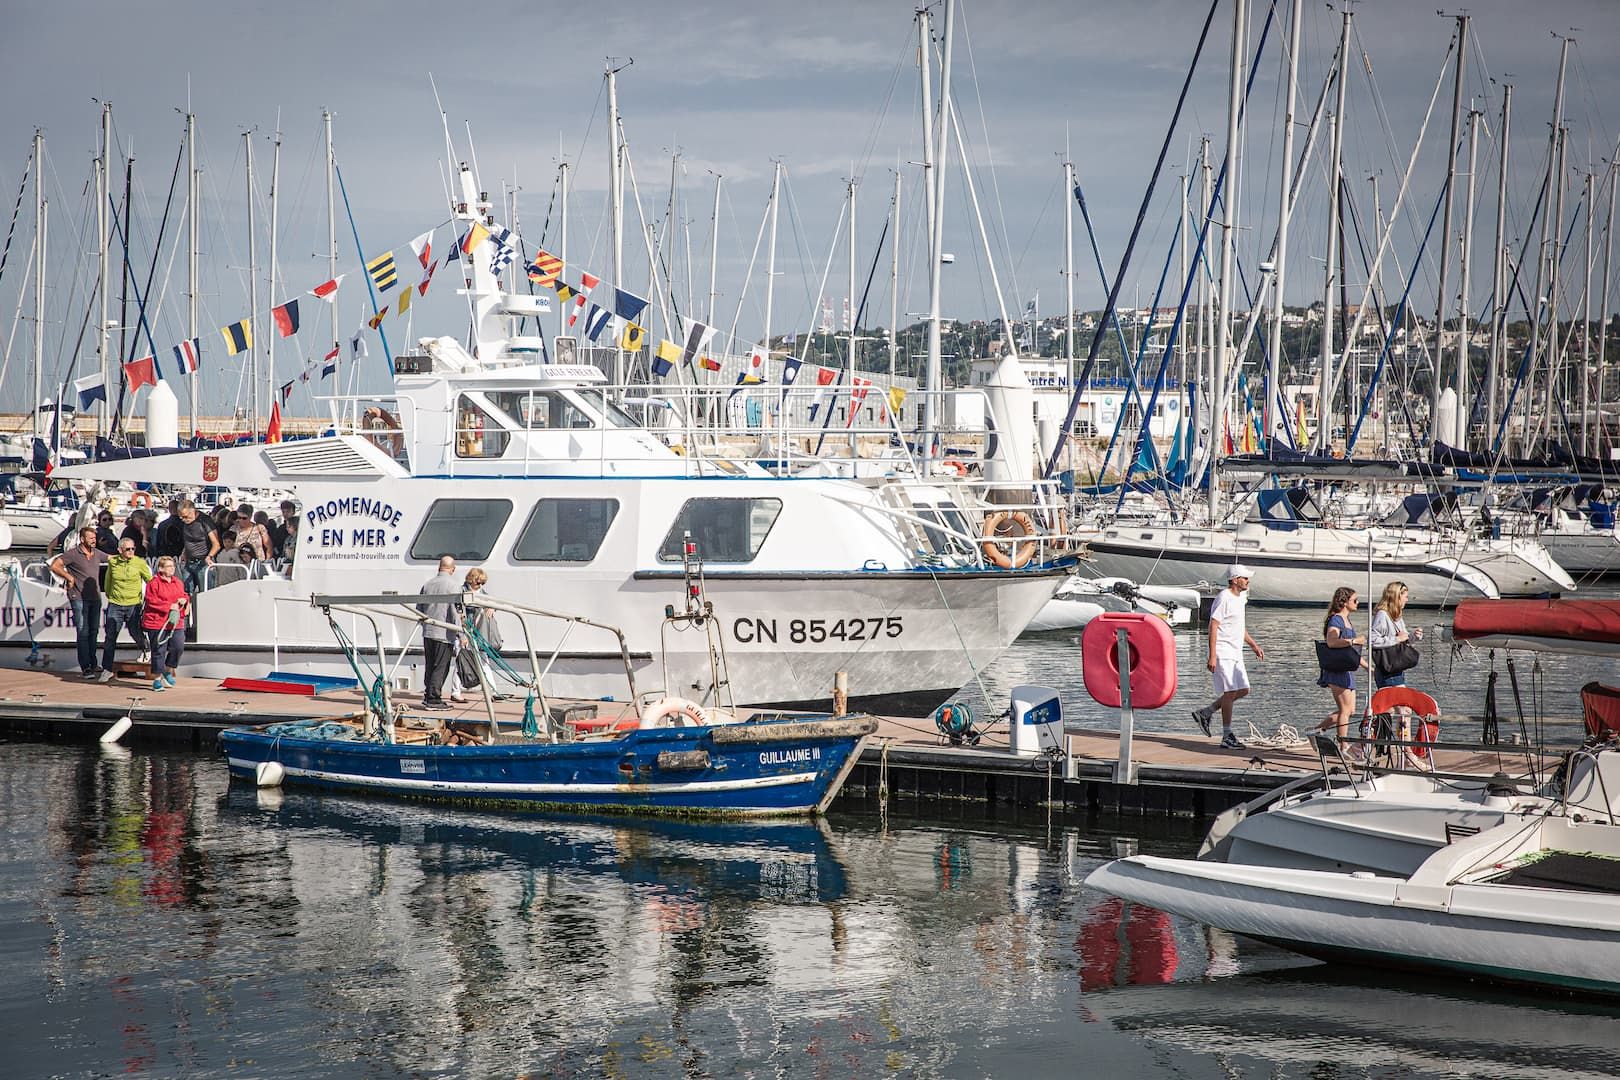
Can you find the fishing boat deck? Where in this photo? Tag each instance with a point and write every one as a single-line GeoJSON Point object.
{"type": "Point", "coordinates": [1182, 773]}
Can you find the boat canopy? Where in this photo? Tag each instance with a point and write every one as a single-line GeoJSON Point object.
{"type": "Point", "coordinates": [1566, 626]}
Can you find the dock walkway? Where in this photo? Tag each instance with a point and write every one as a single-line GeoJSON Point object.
{"type": "Point", "coordinates": [1178, 774]}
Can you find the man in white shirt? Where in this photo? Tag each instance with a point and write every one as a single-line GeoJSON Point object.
{"type": "Point", "coordinates": [1227, 636]}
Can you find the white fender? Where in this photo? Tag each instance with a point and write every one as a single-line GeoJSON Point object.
{"type": "Point", "coordinates": [269, 774]}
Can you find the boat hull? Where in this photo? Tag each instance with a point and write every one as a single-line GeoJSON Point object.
{"type": "Point", "coordinates": [774, 767]}
{"type": "Point", "coordinates": [1302, 567]}
{"type": "Point", "coordinates": [1483, 931]}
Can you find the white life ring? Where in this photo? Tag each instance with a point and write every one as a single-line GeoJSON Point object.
{"type": "Point", "coordinates": [674, 712]}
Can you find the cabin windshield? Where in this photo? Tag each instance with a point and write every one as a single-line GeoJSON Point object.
{"type": "Point", "coordinates": [549, 410]}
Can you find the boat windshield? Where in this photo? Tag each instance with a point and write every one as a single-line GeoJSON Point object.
{"type": "Point", "coordinates": [541, 410]}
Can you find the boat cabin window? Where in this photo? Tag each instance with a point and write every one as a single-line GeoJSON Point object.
{"type": "Point", "coordinates": [465, 528]}
{"type": "Point", "coordinates": [565, 530]}
{"type": "Point", "coordinates": [478, 434]}
{"type": "Point", "coordinates": [726, 530]}
{"type": "Point", "coordinates": [552, 410]}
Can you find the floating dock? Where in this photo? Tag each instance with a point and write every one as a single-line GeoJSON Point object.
{"type": "Point", "coordinates": [1183, 775]}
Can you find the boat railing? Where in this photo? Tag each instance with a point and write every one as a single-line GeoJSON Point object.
{"type": "Point", "coordinates": [404, 608]}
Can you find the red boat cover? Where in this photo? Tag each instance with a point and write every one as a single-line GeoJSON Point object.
{"type": "Point", "coordinates": [1586, 621]}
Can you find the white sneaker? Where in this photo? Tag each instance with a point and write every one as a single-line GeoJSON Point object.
{"type": "Point", "coordinates": [458, 699]}
{"type": "Point", "coordinates": [105, 676]}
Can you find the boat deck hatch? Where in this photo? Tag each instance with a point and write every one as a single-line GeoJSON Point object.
{"type": "Point", "coordinates": [1567, 870]}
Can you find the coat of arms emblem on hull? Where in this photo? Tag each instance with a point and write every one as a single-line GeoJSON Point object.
{"type": "Point", "coordinates": [210, 468]}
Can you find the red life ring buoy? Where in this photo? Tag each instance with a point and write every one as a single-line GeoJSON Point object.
{"type": "Point", "coordinates": [141, 500]}
{"type": "Point", "coordinates": [1017, 553]}
{"type": "Point", "coordinates": [674, 712]}
{"type": "Point", "coordinates": [1153, 659]}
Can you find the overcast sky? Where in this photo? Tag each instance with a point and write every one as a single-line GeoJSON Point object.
{"type": "Point", "coordinates": [830, 90]}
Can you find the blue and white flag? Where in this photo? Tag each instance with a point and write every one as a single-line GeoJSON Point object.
{"type": "Point", "coordinates": [627, 305]}
{"type": "Point", "coordinates": [91, 389]}
{"type": "Point", "coordinates": [597, 321]}
{"type": "Point", "coordinates": [505, 249]}
{"type": "Point", "coordinates": [357, 347]}
{"type": "Point", "coordinates": [186, 355]}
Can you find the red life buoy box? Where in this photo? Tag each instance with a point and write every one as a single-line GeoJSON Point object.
{"type": "Point", "coordinates": [1153, 659]}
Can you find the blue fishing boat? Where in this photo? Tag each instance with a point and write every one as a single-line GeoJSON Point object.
{"type": "Point", "coordinates": [775, 766]}
{"type": "Point", "coordinates": [651, 754]}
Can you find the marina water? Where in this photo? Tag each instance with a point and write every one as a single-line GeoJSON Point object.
{"type": "Point", "coordinates": [163, 921]}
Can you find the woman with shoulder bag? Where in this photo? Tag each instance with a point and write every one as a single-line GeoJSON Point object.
{"type": "Point", "coordinates": [1339, 656]}
{"type": "Point", "coordinates": [1392, 648]}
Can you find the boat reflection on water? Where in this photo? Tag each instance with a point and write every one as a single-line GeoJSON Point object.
{"type": "Point", "coordinates": [1302, 1017]}
{"type": "Point", "coordinates": [785, 862]}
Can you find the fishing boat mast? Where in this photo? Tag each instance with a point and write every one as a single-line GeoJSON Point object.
{"type": "Point", "coordinates": [41, 210]}
{"type": "Point", "coordinates": [562, 236]}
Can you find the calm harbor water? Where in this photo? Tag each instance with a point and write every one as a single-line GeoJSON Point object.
{"type": "Point", "coordinates": [160, 920]}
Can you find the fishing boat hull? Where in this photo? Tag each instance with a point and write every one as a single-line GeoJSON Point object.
{"type": "Point", "coordinates": [765, 768]}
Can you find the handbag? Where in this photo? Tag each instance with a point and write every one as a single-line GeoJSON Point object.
{"type": "Point", "coordinates": [1338, 661]}
{"type": "Point", "coordinates": [467, 672]}
{"type": "Point", "coordinates": [1396, 658]}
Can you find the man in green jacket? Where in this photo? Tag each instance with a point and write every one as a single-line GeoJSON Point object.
{"type": "Point", "coordinates": [127, 575]}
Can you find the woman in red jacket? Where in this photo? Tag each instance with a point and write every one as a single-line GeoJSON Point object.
{"type": "Point", "coordinates": [164, 620]}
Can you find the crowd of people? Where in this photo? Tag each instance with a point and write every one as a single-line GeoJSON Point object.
{"type": "Point", "coordinates": [143, 578]}
{"type": "Point", "coordinates": [1340, 655]}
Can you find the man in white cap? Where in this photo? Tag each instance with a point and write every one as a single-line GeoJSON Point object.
{"type": "Point", "coordinates": [1227, 636]}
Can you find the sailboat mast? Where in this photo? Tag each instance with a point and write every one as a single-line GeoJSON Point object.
{"type": "Point", "coordinates": [331, 222]}
{"type": "Point", "coordinates": [1068, 263]}
{"type": "Point", "coordinates": [192, 207]}
{"type": "Point", "coordinates": [770, 256]}
{"type": "Point", "coordinates": [849, 307]}
{"type": "Point", "coordinates": [1324, 403]}
{"type": "Point", "coordinates": [1206, 304]}
{"type": "Point", "coordinates": [1284, 208]}
{"type": "Point", "coordinates": [615, 208]}
{"type": "Point", "coordinates": [1493, 375]}
{"type": "Point", "coordinates": [253, 279]}
{"type": "Point", "coordinates": [931, 359]}
{"type": "Point", "coordinates": [40, 210]}
{"type": "Point", "coordinates": [1442, 304]}
{"type": "Point", "coordinates": [1586, 322]}
{"type": "Point", "coordinates": [1541, 240]}
{"type": "Point", "coordinates": [936, 224]}
{"type": "Point", "coordinates": [894, 276]}
{"type": "Point", "coordinates": [1460, 374]}
{"type": "Point", "coordinates": [269, 335]}
{"type": "Point", "coordinates": [104, 250]}
{"type": "Point", "coordinates": [1555, 343]}
{"type": "Point", "coordinates": [714, 255]}
{"type": "Point", "coordinates": [1603, 308]}
{"type": "Point", "coordinates": [1223, 328]}
{"type": "Point", "coordinates": [562, 237]}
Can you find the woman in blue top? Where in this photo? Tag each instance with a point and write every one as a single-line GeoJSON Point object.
{"type": "Point", "coordinates": [1339, 634]}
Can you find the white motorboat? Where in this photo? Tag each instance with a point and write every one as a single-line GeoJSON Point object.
{"type": "Point", "coordinates": [1532, 902]}
{"type": "Point", "coordinates": [1081, 599]}
{"type": "Point", "coordinates": [1391, 822]}
{"type": "Point", "coordinates": [533, 472]}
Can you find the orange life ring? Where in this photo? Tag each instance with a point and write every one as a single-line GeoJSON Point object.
{"type": "Point", "coordinates": [674, 712]}
{"type": "Point", "coordinates": [1152, 652]}
{"type": "Point", "coordinates": [954, 466]}
{"type": "Point", "coordinates": [141, 500]}
{"type": "Point", "coordinates": [1020, 552]}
